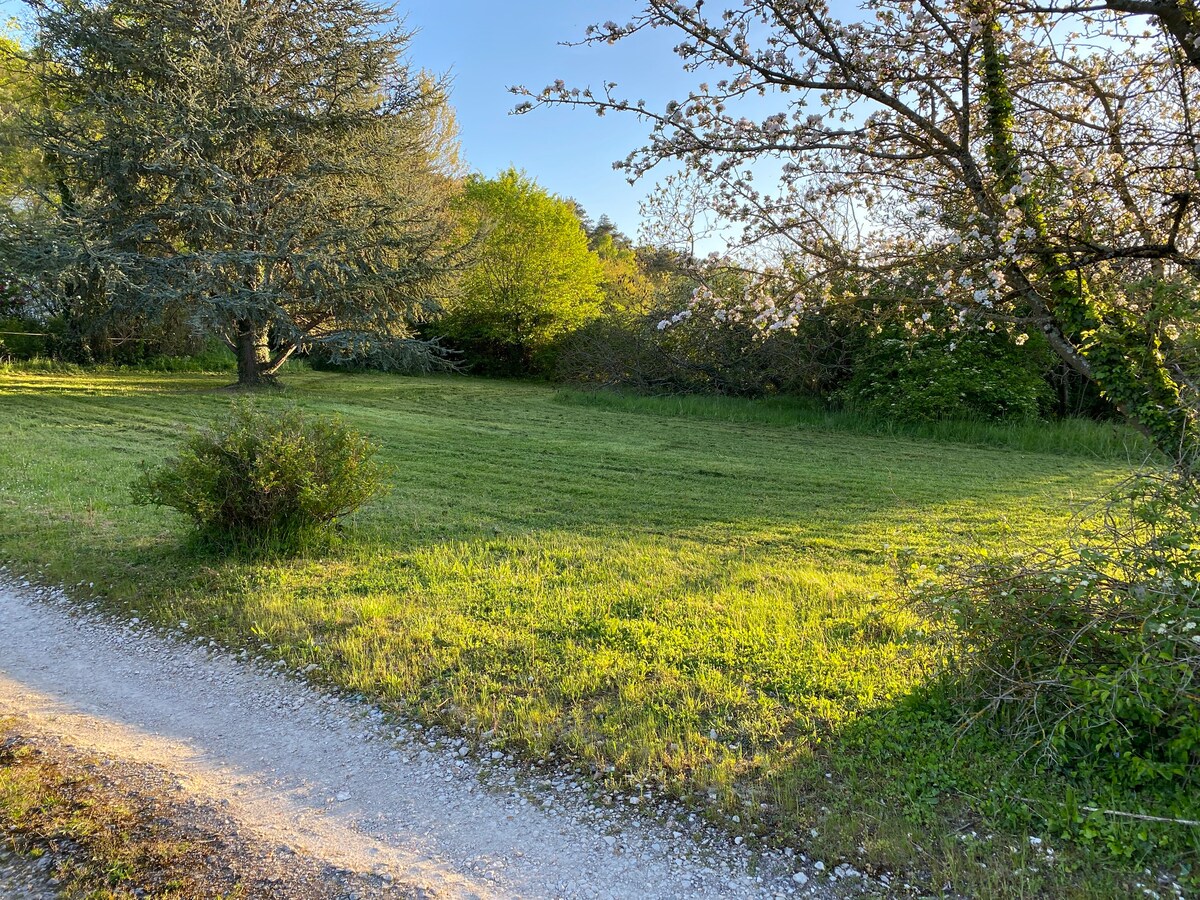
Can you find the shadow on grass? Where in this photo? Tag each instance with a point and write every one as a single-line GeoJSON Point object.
{"type": "Point", "coordinates": [929, 788]}
{"type": "Point", "coordinates": [819, 705]}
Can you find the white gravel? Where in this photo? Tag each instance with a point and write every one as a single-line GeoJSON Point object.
{"type": "Point", "coordinates": [25, 879]}
{"type": "Point", "coordinates": [331, 778]}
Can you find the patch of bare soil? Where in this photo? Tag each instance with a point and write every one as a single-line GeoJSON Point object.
{"type": "Point", "coordinates": [91, 826]}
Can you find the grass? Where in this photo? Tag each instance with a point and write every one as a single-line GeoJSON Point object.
{"type": "Point", "coordinates": [1073, 437]}
{"type": "Point", "coordinates": [105, 845]}
{"type": "Point", "coordinates": [686, 599]}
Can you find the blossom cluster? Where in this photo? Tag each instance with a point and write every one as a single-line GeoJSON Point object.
{"type": "Point", "coordinates": [756, 306]}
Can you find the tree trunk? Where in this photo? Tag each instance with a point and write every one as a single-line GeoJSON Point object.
{"type": "Point", "coordinates": [1124, 361]}
{"type": "Point", "coordinates": [253, 356]}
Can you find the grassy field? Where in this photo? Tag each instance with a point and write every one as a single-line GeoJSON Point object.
{"type": "Point", "coordinates": [685, 601]}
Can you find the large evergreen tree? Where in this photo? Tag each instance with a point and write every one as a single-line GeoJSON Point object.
{"type": "Point", "coordinates": [274, 167]}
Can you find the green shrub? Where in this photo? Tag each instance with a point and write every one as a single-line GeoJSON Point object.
{"type": "Point", "coordinates": [23, 338]}
{"type": "Point", "coordinates": [936, 376]}
{"type": "Point", "coordinates": [1090, 657]}
{"type": "Point", "coordinates": [267, 477]}
{"type": "Point", "coordinates": [699, 356]}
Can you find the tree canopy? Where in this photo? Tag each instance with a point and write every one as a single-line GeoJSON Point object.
{"type": "Point", "coordinates": [534, 279]}
{"type": "Point", "coordinates": [17, 157]}
{"type": "Point", "coordinates": [277, 169]}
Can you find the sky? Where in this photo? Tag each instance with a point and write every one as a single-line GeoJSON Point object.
{"type": "Point", "coordinates": [486, 46]}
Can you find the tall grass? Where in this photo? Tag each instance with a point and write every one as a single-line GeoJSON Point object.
{"type": "Point", "coordinates": [1075, 437]}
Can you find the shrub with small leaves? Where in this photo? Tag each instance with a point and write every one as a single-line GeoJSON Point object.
{"type": "Point", "coordinates": [267, 477]}
{"type": "Point", "coordinates": [971, 375]}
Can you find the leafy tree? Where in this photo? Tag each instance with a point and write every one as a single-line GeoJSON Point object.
{"type": "Point", "coordinates": [18, 158]}
{"type": "Point", "coordinates": [625, 286]}
{"type": "Point", "coordinates": [275, 168]}
{"type": "Point", "coordinates": [1047, 172]}
{"type": "Point", "coordinates": [534, 280]}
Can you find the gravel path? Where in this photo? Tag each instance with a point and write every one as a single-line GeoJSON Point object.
{"type": "Point", "coordinates": [330, 778]}
{"type": "Point", "coordinates": [24, 879]}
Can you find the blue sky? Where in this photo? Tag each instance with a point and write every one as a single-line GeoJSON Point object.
{"type": "Point", "coordinates": [487, 45]}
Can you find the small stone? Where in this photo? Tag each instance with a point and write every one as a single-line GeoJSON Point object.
{"type": "Point", "coordinates": [343, 797]}
{"type": "Point", "coordinates": [800, 878]}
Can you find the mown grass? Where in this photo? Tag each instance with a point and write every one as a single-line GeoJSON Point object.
{"type": "Point", "coordinates": [1073, 437]}
{"type": "Point", "coordinates": [685, 604]}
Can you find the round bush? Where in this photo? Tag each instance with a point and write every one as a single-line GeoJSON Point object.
{"type": "Point", "coordinates": [266, 476]}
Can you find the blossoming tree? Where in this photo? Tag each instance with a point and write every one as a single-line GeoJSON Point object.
{"type": "Point", "coordinates": [1022, 167]}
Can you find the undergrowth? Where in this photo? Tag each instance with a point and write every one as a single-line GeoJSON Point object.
{"type": "Point", "coordinates": [1087, 658]}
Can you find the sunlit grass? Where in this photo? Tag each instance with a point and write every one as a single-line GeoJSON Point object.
{"type": "Point", "coordinates": [683, 603]}
{"type": "Point", "coordinates": [1074, 437]}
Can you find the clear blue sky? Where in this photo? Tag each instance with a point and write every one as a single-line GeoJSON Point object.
{"type": "Point", "coordinates": [486, 46]}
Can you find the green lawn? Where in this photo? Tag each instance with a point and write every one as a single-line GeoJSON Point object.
{"type": "Point", "coordinates": [681, 601]}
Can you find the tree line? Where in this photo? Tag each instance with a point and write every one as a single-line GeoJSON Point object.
{"type": "Point", "coordinates": [981, 208]}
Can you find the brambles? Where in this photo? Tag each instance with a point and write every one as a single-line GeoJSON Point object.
{"type": "Point", "coordinates": [267, 477]}
{"type": "Point", "coordinates": [1091, 656]}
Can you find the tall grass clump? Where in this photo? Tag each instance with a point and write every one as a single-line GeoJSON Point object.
{"type": "Point", "coordinates": [266, 478]}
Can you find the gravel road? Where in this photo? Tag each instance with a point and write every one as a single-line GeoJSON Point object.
{"type": "Point", "coordinates": [331, 778]}
{"type": "Point", "coordinates": [24, 879]}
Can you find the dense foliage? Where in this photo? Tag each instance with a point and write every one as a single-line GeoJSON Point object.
{"type": "Point", "coordinates": [934, 376]}
{"type": "Point", "coordinates": [848, 352]}
{"type": "Point", "coordinates": [275, 173]}
{"type": "Point", "coordinates": [533, 281]}
{"type": "Point", "coordinates": [1090, 656]}
{"type": "Point", "coordinates": [267, 477]}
